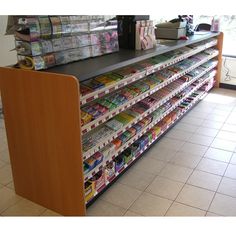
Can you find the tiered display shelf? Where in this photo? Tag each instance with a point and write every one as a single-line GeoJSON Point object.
{"type": "Point", "coordinates": [48, 143]}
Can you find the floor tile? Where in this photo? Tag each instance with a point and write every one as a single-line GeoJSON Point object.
{"type": "Point", "coordinates": [186, 159]}
{"type": "Point", "coordinates": [204, 180]}
{"type": "Point", "coordinates": [220, 112]}
{"type": "Point", "coordinates": [165, 188]}
{"type": "Point", "coordinates": [131, 213]}
{"type": "Point", "coordinates": [231, 171]}
{"type": "Point", "coordinates": [195, 197]}
{"type": "Point", "coordinates": [11, 185]}
{"type": "Point", "coordinates": [149, 165]}
{"type": "Point", "coordinates": [177, 173]}
{"type": "Point", "coordinates": [4, 156]}
{"type": "Point", "coordinates": [207, 131]}
{"type": "Point", "coordinates": [233, 159]}
{"type": "Point", "coordinates": [179, 134]}
{"type": "Point", "coordinates": [178, 209]}
{"type": "Point", "coordinates": [6, 175]}
{"type": "Point", "coordinates": [219, 118]}
{"type": "Point", "coordinates": [201, 139]}
{"type": "Point", "coordinates": [24, 208]}
{"type": "Point", "coordinates": [186, 127]}
{"type": "Point", "coordinates": [192, 121]}
{"type": "Point", "coordinates": [50, 213]}
{"type": "Point", "coordinates": [218, 154]}
{"type": "Point", "coordinates": [231, 136]}
{"type": "Point", "coordinates": [2, 164]}
{"type": "Point", "coordinates": [121, 195]}
{"type": "Point", "coordinates": [7, 198]}
{"type": "Point", "coordinates": [211, 124]}
{"type": "Point", "coordinates": [228, 127]}
{"type": "Point", "coordinates": [103, 208]}
{"type": "Point", "coordinates": [160, 153]}
{"type": "Point", "coordinates": [231, 121]}
{"type": "Point", "coordinates": [211, 214]}
{"type": "Point", "coordinates": [223, 205]}
{"type": "Point", "coordinates": [228, 187]}
{"type": "Point", "coordinates": [224, 144]}
{"type": "Point", "coordinates": [150, 205]}
{"type": "Point", "coordinates": [212, 166]}
{"type": "Point", "coordinates": [170, 143]}
{"type": "Point", "coordinates": [136, 179]}
{"type": "Point", "coordinates": [197, 114]}
{"type": "Point", "coordinates": [193, 148]}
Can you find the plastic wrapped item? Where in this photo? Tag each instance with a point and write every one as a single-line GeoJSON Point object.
{"type": "Point", "coordinates": [56, 26]}
{"type": "Point", "coordinates": [119, 163]}
{"type": "Point", "coordinates": [65, 25]}
{"type": "Point", "coordinates": [99, 180]}
{"type": "Point", "coordinates": [109, 171]}
{"type": "Point", "coordinates": [45, 27]}
{"type": "Point", "coordinates": [89, 190]}
{"type": "Point", "coordinates": [114, 124]}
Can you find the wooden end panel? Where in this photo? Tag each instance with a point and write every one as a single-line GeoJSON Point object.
{"type": "Point", "coordinates": [42, 117]}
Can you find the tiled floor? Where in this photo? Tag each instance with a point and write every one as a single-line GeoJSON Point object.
{"type": "Point", "coordinates": [189, 172]}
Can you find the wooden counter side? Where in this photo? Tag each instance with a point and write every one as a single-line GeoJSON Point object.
{"type": "Point", "coordinates": [219, 58]}
{"type": "Point", "coordinates": [42, 117]}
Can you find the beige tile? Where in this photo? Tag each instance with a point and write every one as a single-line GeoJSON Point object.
{"type": "Point", "coordinates": [211, 214]}
{"type": "Point", "coordinates": [231, 121]}
{"type": "Point", "coordinates": [194, 149]}
{"type": "Point", "coordinates": [223, 205]}
{"type": "Point", "coordinates": [212, 166]}
{"type": "Point", "coordinates": [220, 112]}
{"type": "Point", "coordinates": [207, 131]}
{"type": "Point", "coordinates": [186, 127]}
{"type": "Point", "coordinates": [103, 208]}
{"type": "Point", "coordinates": [177, 173]}
{"type": "Point", "coordinates": [150, 205]}
{"type": "Point", "coordinates": [149, 165]}
{"type": "Point", "coordinates": [201, 139]}
{"type": "Point", "coordinates": [1, 186]}
{"type": "Point", "coordinates": [228, 127]}
{"type": "Point", "coordinates": [195, 197]}
{"type": "Point", "coordinates": [203, 109]}
{"type": "Point", "coordinates": [11, 185]}
{"type": "Point", "coordinates": [197, 114]}
{"type": "Point", "coordinates": [228, 187]}
{"type": "Point", "coordinates": [231, 171]}
{"type": "Point", "coordinates": [192, 121]}
{"type": "Point", "coordinates": [231, 136]}
{"type": "Point", "coordinates": [219, 118]}
{"type": "Point", "coordinates": [179, 134]}
{"type": "Point", "coordinates": [24, 208]}
{"type": "Point", "coordinates": [7, 198]}
{"type": "Point", "coordinates": [4, 156]}
{"type": "Point", "coordinates": [224, 144]}
{"type": "Point", "coordinates": [186, 159]}
{"type": "Point", "coordinates": [211, 124]}
{"type": "Point", "coordinates": [121, 195]}
{"type": "Point", "coordinates": [2, 164]}
{"type": "Point", "coordinates": [170, 143]}
{"type": "Point", "coordinates": [178, 209]}
{"type": "Point", "coordinates": [233, 159]}
{"type": "Point", "coordinates": [164, 187]}
{"type": "Point", "coordinates": [136, 179]}
{"type": "Point", "coordinates": [131, 213]}
{"type": "Point", "coordinates": [50, 213]}
{"type": "Point", "coordinates": [6, 175]}
{"type": "Point", "coordinates": [218, 154]}
{"type": "Point", "coordinates": [160, 153]}
{"type": "Point", "coordinates": [204, 180]}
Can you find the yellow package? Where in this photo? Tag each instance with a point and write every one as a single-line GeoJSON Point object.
{"type": "Point", "coordinates": [105, 80]}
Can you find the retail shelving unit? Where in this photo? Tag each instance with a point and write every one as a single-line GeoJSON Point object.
{"type": "Point", "coordinates": [45, 135]}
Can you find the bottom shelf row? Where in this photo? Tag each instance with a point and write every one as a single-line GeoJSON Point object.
{"type": "Point", "coordinates": [108, 174]}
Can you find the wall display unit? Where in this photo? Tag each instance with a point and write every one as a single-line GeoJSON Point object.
{"type": "Point", "coordinates": [73, 129]}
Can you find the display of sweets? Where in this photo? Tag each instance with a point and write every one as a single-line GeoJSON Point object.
{"type": "Point", "coordinates": [126, 72]}
{"type": "Point", "coordinates": [109, 171]}
{"type": "Point", "coordinates": [148, 102]}
{"type": "Point", "coordinates": [114, 124]}
{"type": "Point", "coordinates": [99, 179]}
{"type": "Point", "coordinates": [85, 118]}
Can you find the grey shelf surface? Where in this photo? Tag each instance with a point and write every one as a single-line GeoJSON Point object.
{"type": "Point", "coordinates": [92, 67]}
